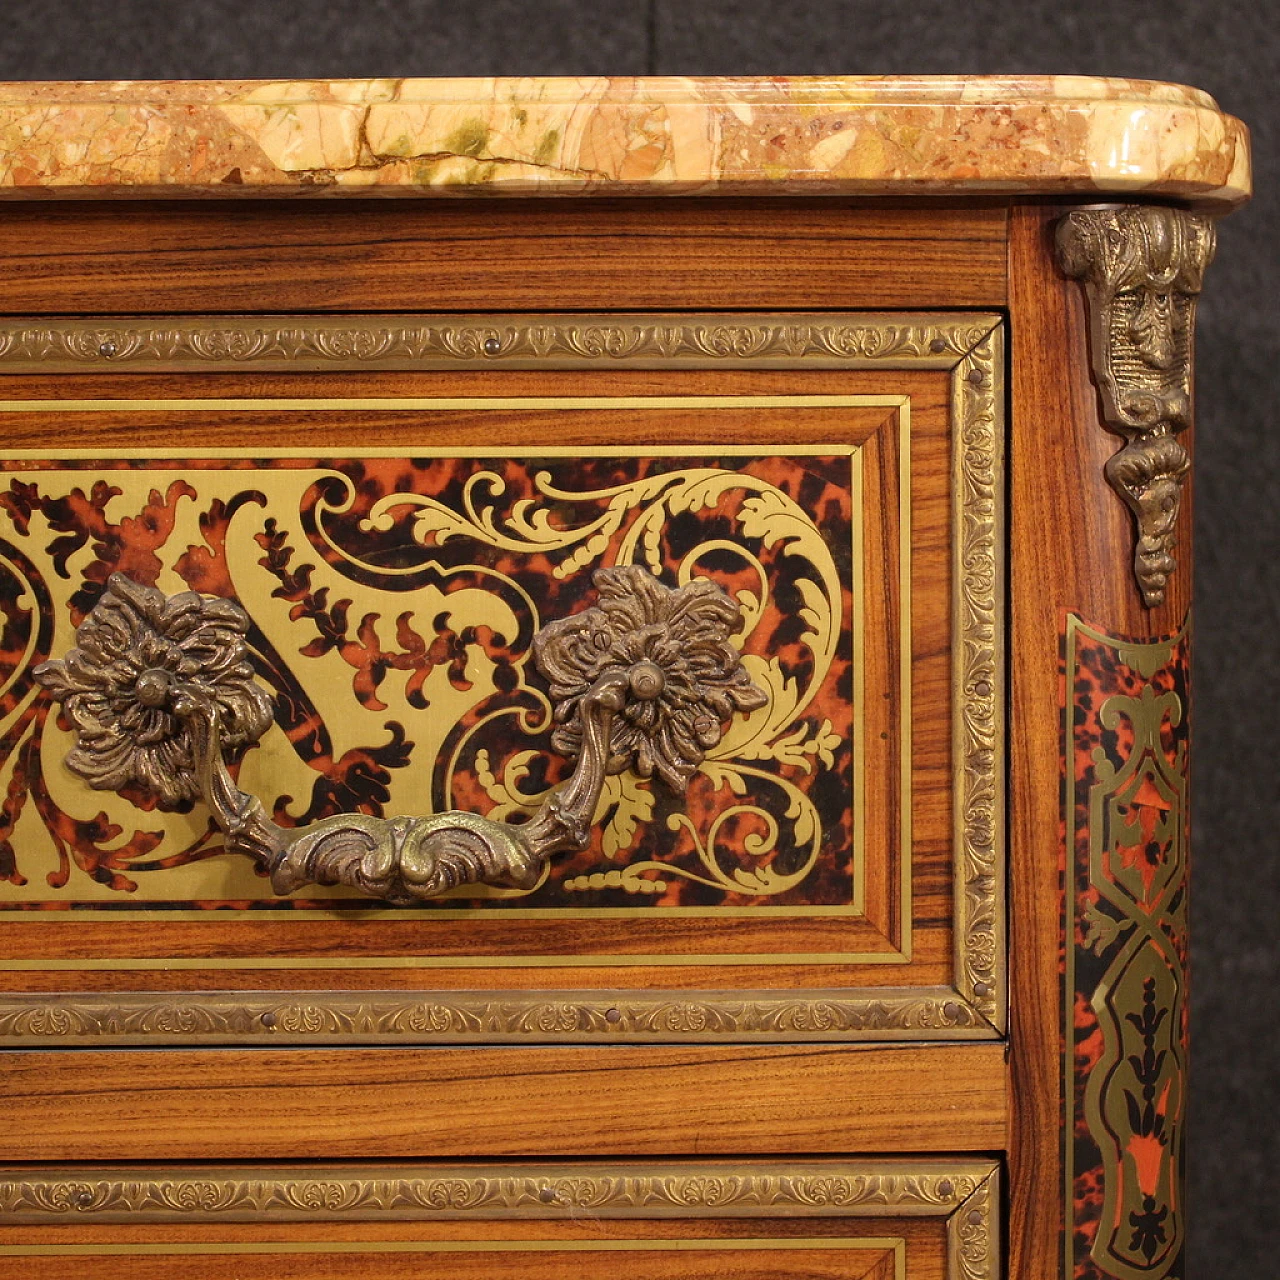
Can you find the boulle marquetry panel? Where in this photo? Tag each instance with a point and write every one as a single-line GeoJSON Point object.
{"type": "Point", "coordinates": [834, 868]}
{"type": "Point", "coordinates": [1126, 954]}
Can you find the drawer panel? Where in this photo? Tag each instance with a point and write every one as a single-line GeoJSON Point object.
{"type": "Point", "coordinates": [935, 1219]}
{"type": "Point", "coordinates": [399, 521]}
{"type": "Point", "coordinates": [571, 1101]}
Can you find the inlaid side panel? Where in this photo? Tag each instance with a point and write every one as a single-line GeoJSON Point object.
{"type": "Point", "coordinates": [1125, 800]}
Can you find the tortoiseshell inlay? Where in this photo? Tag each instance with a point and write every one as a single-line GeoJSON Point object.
{"type": "Point", "coordinates": [394, 601]}
{"type": "Point", "coordinates": [1125, 961]}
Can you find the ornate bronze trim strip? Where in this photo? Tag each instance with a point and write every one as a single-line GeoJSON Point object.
{"type": "Point", "coordinates": [970, 346]}
{"type": "Point", "coordinates": [963, 1191]}
{"type": "Point", "coordinates": [328, 1017]}
{"type": "Point", "coordinates": [291, 343]}
{"type": "Point", "coordinates": [978, 676]}
{"type": "Point", "coordinates": [1141, 267]}
{"type": "Point", "coordinates": [973, 1233]}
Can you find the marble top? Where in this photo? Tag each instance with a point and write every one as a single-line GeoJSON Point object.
{"type": "Point", "coordinates": [647, 136]}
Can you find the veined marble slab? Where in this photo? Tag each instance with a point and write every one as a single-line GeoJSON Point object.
{"type": "Point", "coordinates": [849, 135]}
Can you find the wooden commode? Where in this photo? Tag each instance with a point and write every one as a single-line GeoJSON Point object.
{"type": "Point", "coordinates": [595, 676]}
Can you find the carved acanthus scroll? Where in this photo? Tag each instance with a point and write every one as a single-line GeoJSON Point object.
{"type": "Point", "coordinates": [1141, 268]}
{"type": "Point", "coordinates": [159, 687]}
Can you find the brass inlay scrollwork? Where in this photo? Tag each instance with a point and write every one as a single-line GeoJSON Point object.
{"type": "Point", "coordinates": [638, 512]}
{"type": "Point", "coordinates": [1125, 992]}
{"type": "Point", "coordinates": [339, 636]}
{"type": "Point", "coordinates": [1141, 268]}
{"type": "Point", "coordinates": [159, 687]}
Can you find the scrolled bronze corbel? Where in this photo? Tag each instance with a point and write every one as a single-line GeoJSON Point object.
{"type": "Point", "coordinates": [159, 688]}
{"type": "Point", "coordinates": [1142, 267]}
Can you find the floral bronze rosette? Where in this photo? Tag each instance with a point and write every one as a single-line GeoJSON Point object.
{"type": "Point", "coordinates": [685, 677]}
{"type": "Point", "coordinates": [137, 653]}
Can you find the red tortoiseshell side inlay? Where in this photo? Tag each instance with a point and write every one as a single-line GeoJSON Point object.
{"type": "Point", "coordinates": [1124, 966]}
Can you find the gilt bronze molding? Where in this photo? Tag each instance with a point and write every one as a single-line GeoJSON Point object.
{"type": "Point", "coordinates": [159, 689]}
{"type": "Point", "coordinates": [91, 1019]}
{"type": "Point", "coordinates": [978, 674]}
{"type": "Point", "coordinates": [168, 344]}
{"type": "Point", "coordinates": [1141, 268]}
{"type": "Point", "coordinates": [864, 1188]}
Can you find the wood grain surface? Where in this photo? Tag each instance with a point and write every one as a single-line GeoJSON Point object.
{"type": "Point", "coordinates": [1071, 550]}
{"type": "Point", "coordinates": [587, 1248]}
{"type": "Point", "coordinates": [373, 1104]}
{"type": "Point", "coordinates": [514, 255]}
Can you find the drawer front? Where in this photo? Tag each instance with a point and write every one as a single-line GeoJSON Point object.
{"type": "Point", "coordinates": [400, 507]}
{"type": "Point", "coordinates": [873, 1220]}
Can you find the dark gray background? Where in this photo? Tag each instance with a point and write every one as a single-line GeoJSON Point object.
{"type": "Point", "coordinates": [1229, 48]}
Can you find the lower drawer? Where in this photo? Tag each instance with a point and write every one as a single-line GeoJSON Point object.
{"type": "Point", "coordinates": [924, 1219]}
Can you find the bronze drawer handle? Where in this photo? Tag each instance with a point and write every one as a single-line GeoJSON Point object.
{"type": "Point", "coordinates": [159, 687]}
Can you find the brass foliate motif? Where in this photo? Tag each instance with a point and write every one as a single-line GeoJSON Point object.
{"type": "Point", "coordinates": [408, 342]}
{"type": "Point", "coordinates": [973, 1234]}
{"type": "Point", "coordinates": [977, 740]}
{"type": "Point", "coordinates": [509, 1017]}
{"type": "Point", "coordinates": [159, 688]}
{"type": "Point", "coordinates": [1142, 268]}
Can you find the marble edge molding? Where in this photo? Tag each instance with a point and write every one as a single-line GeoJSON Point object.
{"type": "Point", "coordinates": [622, 136]}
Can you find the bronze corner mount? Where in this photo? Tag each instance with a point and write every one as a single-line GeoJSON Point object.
{"type": "Point", "coordinates": [159, 688]}
{"type": "Point", "coordinates": [1142, 267]}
